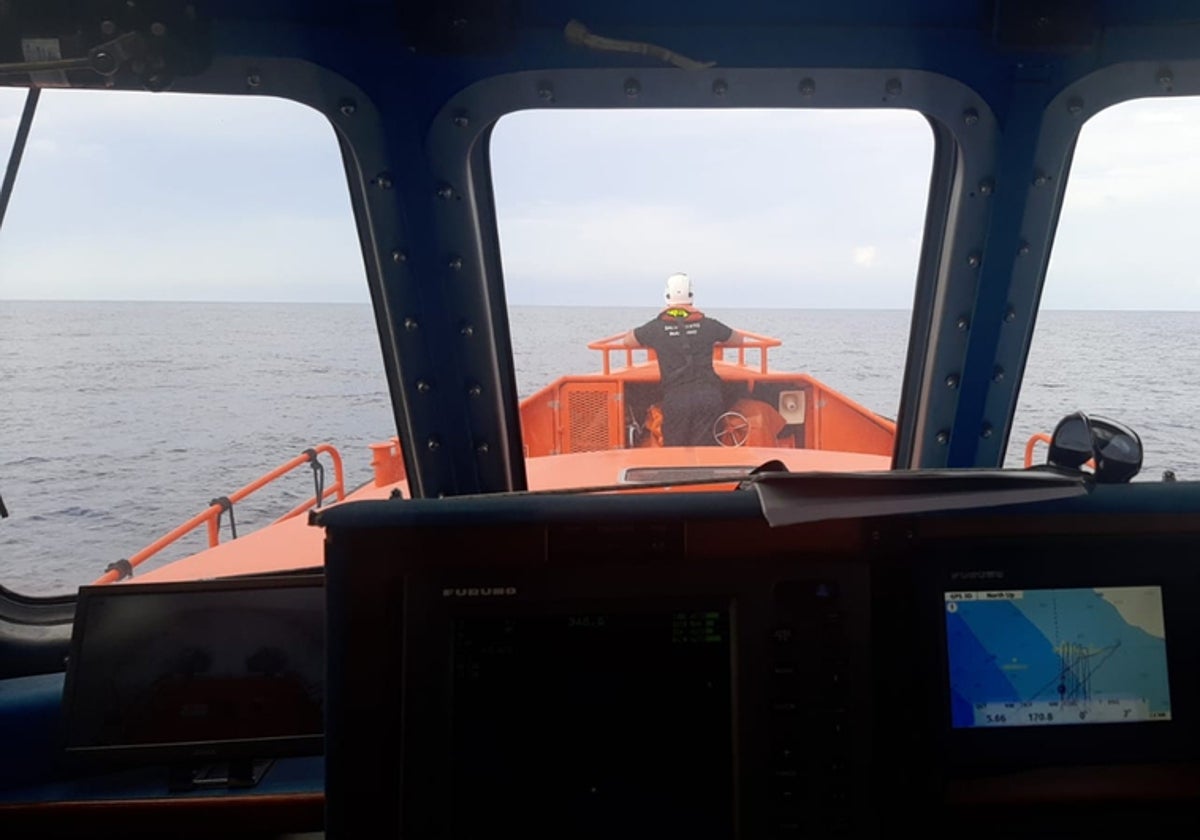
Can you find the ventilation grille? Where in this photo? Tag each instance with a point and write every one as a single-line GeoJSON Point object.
{"type": "Point", "coordinates": [588, 420]}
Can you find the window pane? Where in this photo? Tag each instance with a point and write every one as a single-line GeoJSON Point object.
{"type": "Point", "coordinates": [801, 226]}
{"type": "Point", "coordinates": [1116, 333]}
{"type": "Point", "coordinates": [182, 308]}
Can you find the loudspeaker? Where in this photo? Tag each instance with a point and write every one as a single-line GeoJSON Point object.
{"type": "Point", "coordinates": [791, 406]}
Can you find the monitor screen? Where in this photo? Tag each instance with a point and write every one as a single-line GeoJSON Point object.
{"type": "Point", "coordinates": [565, 724]}
{"type": "Point", "coordinates": [213, 669]}
{"type": "Point", "coordinates": [1050, 657]}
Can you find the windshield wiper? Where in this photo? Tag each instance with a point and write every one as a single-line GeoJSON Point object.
{"type": "Point", "coordinates": [18, 149]}
{"type": "Point", "coordinates": [10, 178]}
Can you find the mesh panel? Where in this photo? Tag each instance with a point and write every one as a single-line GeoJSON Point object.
{"type": "Point", "coordinates": [588, 420]}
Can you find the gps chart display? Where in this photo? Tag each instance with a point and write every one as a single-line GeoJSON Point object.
{"type": "Point", "coordinates": [1038, 657]}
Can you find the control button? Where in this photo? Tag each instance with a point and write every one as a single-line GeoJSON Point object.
{"type": "Point", "coordinates": [805, 593]}
{"type": "Point", "coordinates": [785, 756]}
{"type": "Point", "coordinates": [787, 797]}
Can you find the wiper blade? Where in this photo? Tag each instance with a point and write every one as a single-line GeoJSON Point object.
{"type": "Point", "coordinates": [18, 149]}
{"type": "Point", "coordinates": [793, 498]}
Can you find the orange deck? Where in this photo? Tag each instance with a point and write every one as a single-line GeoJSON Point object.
{"type": "Point", "coordinates": [589, 431]}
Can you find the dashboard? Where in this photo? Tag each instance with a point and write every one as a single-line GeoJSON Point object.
{"type": "Point", "coordinates": [557, 666]}
{"type": "Point", "coordinates": [663, 664]}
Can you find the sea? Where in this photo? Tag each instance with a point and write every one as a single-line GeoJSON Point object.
{"type": "Point", "coordinates": [121, 420]}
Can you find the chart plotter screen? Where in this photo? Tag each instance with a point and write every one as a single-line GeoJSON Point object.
{"type": "Point", "coordinates": [1049, 657]}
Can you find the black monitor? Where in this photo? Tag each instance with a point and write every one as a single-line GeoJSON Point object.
{"type": "Point", "coordinates": [212, 678]}
{"type": "Point", "coordinates": [576, 715]}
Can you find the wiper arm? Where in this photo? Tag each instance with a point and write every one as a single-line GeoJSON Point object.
{"type": "Point", "coordinates": [103, 59]}
{"type": "Point", "coordinates": [789, 499]}
{"type": "Point", "coordinates": [18, 149]}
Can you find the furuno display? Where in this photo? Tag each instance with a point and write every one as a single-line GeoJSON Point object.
{"type": "Point", "coordinates": [548, 708]}
{"type": "Point", "coordinates": [508, 679]}
{"type": "Point", "coordinates": [212, 678]}
{"type": "Point", "coordinates": [1055, 657]}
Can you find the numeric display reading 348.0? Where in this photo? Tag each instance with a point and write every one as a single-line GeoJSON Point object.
{"type": "Point", "coordinates": [1047, 657]}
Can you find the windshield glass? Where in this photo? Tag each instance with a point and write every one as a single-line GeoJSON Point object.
{"type": "Point", "coordinates": [661, 238]}
{"type": "Point", "coordinates": [182, 309]}
{"type": "Point", "coordinates": [1116, 331]}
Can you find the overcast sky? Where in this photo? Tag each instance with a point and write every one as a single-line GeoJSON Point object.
{"type": "Point", "coordinates": [169, 197]}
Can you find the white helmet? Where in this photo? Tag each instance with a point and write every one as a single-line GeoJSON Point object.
{"type": "Point", "coordinates": [679, 289]}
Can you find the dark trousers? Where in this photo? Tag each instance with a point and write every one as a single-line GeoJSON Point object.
{"type": "Point", "coordinates": [688, 415]}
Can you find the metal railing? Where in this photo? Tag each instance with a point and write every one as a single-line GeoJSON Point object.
{"type": "Point", "coordinates": [753, 341]}
{"type": "Point", "coordinates": [211, 516]}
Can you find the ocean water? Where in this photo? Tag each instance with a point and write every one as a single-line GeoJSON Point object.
{"type": "Point", "coordinates": [122, 420]}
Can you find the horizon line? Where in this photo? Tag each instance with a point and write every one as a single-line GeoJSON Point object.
{"type": "Point", "coordinates": [543, 305]}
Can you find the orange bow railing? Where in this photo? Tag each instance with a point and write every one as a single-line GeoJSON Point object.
{"type": "Point", "coordinates": [753, 341]}
{"type": "Point", "coordinates": [211, 516]}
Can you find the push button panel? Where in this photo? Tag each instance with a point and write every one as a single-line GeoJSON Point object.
{"type": "Point", "coordinates": [809, 729]}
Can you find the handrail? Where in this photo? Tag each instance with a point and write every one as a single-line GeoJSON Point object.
{"type": "Point", "coordinates": [1034, 439]}
{"type": "Point", "coordinates": [752, 341]}
{"type": "Point", "coordinates": [212, 514]}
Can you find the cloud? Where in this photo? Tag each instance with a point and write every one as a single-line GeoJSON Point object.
{"type": "Point", "coordinates": [865, 256]}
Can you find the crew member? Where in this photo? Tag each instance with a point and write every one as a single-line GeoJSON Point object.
{"type": "Point", "coordinates": [683, 338]}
